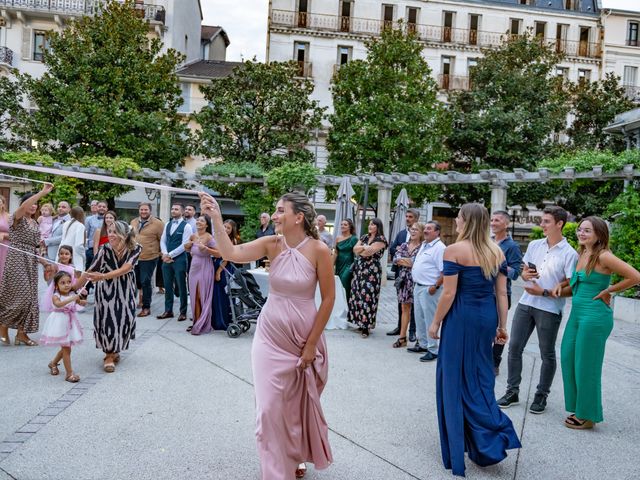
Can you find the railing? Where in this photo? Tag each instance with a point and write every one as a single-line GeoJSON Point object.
{"type": "Point", "coordinates": [426, 33]}
{"type": "Point", "coordinates": [632, 92]}
{"type": "Point", "coordinates": [78, 7]}
{"type": "Point", "coordinates": [304, 69]}
{"type": "Point", "coordinates": [453, 82]}
{"type": "Point", "coordinates": [6, 56]}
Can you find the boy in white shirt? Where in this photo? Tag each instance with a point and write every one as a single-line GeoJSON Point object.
{"type": "Point", "coordinates": [547, 262]}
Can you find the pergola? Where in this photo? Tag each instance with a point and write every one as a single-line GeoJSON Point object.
{"type": "Point", "coordinates": [383, 182]}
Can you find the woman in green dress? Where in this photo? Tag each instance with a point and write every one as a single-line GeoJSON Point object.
{"type": "Point", "coordinates": [590, 322]}
{"type": "Point", "coordinates": [343, 254]}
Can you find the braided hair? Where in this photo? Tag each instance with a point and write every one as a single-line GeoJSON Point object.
{"type": "Point", "coordinates": [300, 204]}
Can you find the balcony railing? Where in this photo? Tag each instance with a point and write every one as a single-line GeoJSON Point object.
{"type": "Point", "coordinates": [77, 7]}
{"type": "Point", "coordinates": [453, 82]}
{"type": "Point", "coordinates": [6, 56]}
{"type": "Point", "coordinates": [426, 33]}
{"type": "Point", "coordinates": [304, 69]}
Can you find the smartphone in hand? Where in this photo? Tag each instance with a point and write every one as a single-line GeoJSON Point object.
{"type": "Point", "coordinates": [532, 266]}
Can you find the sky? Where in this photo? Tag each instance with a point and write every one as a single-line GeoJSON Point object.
{"type": "Point", "coordinates": [245, 21]}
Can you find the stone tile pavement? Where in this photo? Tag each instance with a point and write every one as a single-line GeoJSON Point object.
{"type": "Point", "coordinates": [181, 406]}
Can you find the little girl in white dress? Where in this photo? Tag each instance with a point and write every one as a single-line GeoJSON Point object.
{"type": "Point", "coordinates": [62, 327]}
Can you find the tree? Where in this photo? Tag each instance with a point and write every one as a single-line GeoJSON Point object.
{"type": "Point", "coordinates": [261, 113]}
{"type": "Point", "coordinates": [11, 114]}
{"type": "Point", "coordinates": [515, 103]}
{"type": "Point", "coordinates": [386, 115]}
{"type": "Point", "coordinates": [594, 105]}
{"type": "Point", "coordinates": [108, 91]}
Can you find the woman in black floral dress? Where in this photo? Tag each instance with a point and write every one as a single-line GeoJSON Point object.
{"type": "Point", "coordinates": [367, 277]}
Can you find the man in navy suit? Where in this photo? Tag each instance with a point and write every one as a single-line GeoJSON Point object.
{"type": "Point", "coordinates": [411, 217]}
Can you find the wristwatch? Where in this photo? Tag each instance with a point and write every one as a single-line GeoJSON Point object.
{"type": "Point", "coordinates": [545, 293]}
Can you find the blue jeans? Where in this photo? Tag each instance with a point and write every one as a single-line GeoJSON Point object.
{"type": "Point", "coordinates": [175, 271]}
{"type": "Point", "coordinates": [424, 306]}
{"type": "Point", "coordinates": [144, 274]}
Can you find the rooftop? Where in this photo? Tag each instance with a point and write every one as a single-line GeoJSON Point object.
{"type": "Point", "coordinates": [208, 69]}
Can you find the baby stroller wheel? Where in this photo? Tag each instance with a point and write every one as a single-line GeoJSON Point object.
{"type": "Point", "coordinates": [234, 330]}
{"type": "Point", "coordinates": [245, 325]}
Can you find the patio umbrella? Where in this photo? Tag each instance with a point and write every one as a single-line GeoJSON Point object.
{"type": "Point", "coordinates": [399, 222]}
{"type": "Point", "coordinates": [344, 207]}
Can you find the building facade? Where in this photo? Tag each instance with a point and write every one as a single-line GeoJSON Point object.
{"type": "Point", "coordinates": [322, 35]}
{"type": "Point", "coordinates": [621, 48]}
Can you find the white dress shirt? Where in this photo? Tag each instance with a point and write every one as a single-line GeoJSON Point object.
{"type": "Point", "coordinates": [554, 265]}
{"type": "Point", "coordinates": [73, 234]}
{"type": "Point", "coordinates": [429, 263]}
{"type": "Point", "coordinates": [185, 238]}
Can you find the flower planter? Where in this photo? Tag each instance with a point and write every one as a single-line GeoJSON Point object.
{"type": "Point", "coordinates": [627, 309]}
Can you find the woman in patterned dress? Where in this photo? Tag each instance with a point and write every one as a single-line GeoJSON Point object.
{"type": "Point", "coordinates": [405, 254]}
{"type": "Point", "coordinates": [19, 285]}
{"type": "Point", "coordinates": [367, 278]}
{"type": "Point", "coordinates": [114, 316]}
{"type": "Point", "coordinates": [4, 233]}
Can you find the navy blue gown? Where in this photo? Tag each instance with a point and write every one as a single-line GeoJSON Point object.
{"type": "Point", "coordinates": [468, 415]}
{"type": "Point", "coordinates": [221, 306]}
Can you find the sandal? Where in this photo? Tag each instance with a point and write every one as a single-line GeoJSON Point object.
{"type": "Point", "coordinates": [73, 378]}
{"type": "Point", "coordinates": [53, 369]}
{"type": "Point", "coordinates": [575, 423]}
{"type": "Point", "coordinates": [401, 342]}
{"type": "Point", "coordinates": [109, 367]}
{"type": "Point", "coordinates": [301, 470]}
{"type": "Point", "coordinates": [116, 357]}
{"type": "Point", "coordinates": [28, 342]}
{"type": "Point", "coordinates": [365, 333]}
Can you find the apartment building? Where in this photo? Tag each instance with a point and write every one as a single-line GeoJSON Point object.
{"type": "Point", "coordinates": [324, 34]}
{"type": "Point", "coordinates": [621, 48]}
{"type": "Point", "coordinates": [24, 25]}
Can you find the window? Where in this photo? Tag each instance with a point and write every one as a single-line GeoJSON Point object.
{"type": "Point", "coordinates": [412, 19]}
{"type": "Point", "coordinates": [300, 55]}
{"type": "Point", "coordinates": [571, 4]}
{"type": "Point", "coordinates": [40, 44]}
{"type": "Point", "coordinates": [346, 10]}
{"type": "Point", "coordinates": [630, 76]}
{"type": "Point", "coordinates": [514, 27]}
{"type": "Point", "coordinates": [474, 26]}
{"type": "Point", "coordinates": [387, 16]}
{"type": "Point", "coordinates": [185, 94]}
{"type": "Point", "coordinates": [632, 34]}
{"type": "Point", "coordinates": [584, 75]}
{"type": "Point", "coordinates": [561, 38]}
{"type": "Point", "coordinates": [448, 26]}
{"type": "Point", "coordinates": [344, 55]}
{"type": "Point", "coordinates": [562, 72]}
{"type": "Point", "coordinates": [583, 45]}
{"type": "Point", "coordinates": [541, 29]}
{"type": "Point", "coordinates": [472, 63]}
{"type": "Point", "coordinates": [446, 69]}
{"type": "Point", "coordinates": [303, 12]}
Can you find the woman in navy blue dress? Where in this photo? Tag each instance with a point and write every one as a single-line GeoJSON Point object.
{"type": "Point", "coordinates": [473, 314]}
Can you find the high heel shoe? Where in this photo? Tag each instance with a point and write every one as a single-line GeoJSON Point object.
{"type": "Point", "coordinates": [28, 342]}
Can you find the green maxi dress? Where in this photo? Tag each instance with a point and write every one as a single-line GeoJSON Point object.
{"type": "Point", "coordinates": [582, 350]}
{"type": "Point", "coordinates": [344, 260]}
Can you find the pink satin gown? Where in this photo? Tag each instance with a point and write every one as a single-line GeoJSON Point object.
{"type": "Point", "coordinates": [291, 427]}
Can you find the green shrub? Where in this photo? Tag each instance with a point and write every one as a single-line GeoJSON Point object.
{"type": "Point", "coordinates": [625, 231]}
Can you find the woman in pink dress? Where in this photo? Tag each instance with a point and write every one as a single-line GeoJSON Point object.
{"type": "Point", "coordinates": [201, 274]}
{"type": "Point", "coordinates": [289, 353]}
{"type": "Point", "coordinates": [4, 233]}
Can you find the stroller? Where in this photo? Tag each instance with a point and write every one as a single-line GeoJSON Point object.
{"type": "Point", "coordinates": [246, 301]}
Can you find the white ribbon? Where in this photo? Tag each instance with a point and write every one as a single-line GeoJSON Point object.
{"type": "Point", "coordinates": [94, 177]}
{"type": "Point", "coordinates": [4, 245]}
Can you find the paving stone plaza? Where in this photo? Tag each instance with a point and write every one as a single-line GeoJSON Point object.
{"type": "Point", "coordinates": [181, 406]}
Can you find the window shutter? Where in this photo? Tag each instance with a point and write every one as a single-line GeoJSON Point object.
{"type": "Point", "coordinates": [27, 39]}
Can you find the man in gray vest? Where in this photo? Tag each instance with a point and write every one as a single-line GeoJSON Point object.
{"type": "Point", "coordinates": [174, 261]}
{"type": "Point", "coordinates": [53, 242]}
